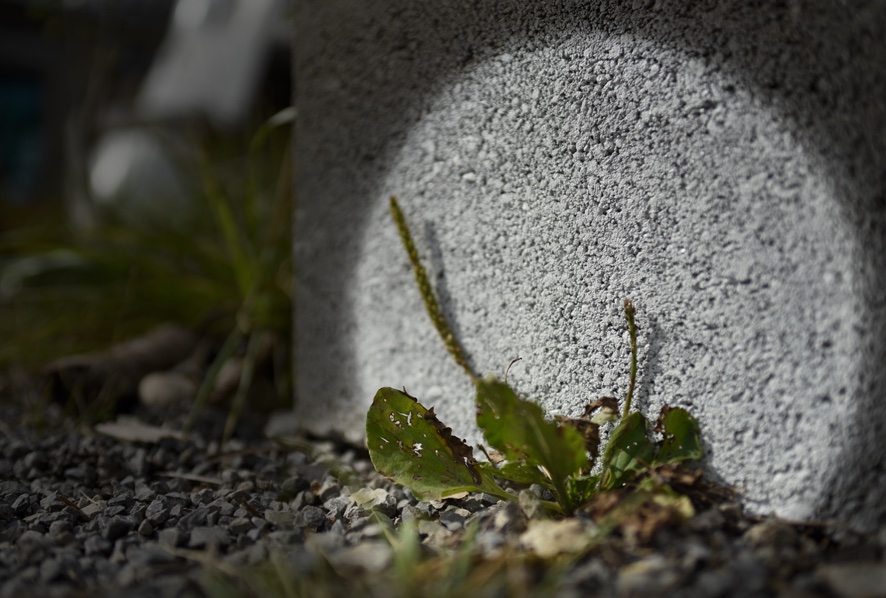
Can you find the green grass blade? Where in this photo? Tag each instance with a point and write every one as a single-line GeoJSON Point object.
{"type": "Point", "coordinates": [206, 387]}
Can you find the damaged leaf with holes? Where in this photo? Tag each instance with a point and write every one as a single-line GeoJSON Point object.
{"type": "Point", "coordinates": [409, 444]}
{"type": "Point", "coordinates": [681, 436]}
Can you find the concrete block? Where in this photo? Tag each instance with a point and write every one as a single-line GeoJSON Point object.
{"type": "Point", "coordinates": [721, 163]}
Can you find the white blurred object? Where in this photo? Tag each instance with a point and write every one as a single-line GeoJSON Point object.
{"type": "Point", "coordinates": [133, 171]}
{"type": "Point", "coordinates": [212, 61]}
{"type": "Point", "coordinates": [211, 65]}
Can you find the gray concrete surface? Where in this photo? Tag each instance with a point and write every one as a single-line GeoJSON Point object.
{"type": "Point", "coordinates": [723, 164]}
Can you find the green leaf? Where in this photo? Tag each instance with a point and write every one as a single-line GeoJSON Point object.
{"type": "Point", "coordinates": [628, 451]}
{"type": "Point", "coordinates": [519, 430]}
{"type": "Point", "coordinates": [409, 444]}
{"type": "Point", "coordinates": [681, 437]}
{"type": "Point", "coordinates": [522, 473]}
{"type": "Point", "coordinates": [582, 488]}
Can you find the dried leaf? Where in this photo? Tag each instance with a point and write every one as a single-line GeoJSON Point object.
{"type": "Point", "coordinates": [608, 407]}
{"type": "Point", "coordinates": [590, 433]}
{"type": "Point", "coordinates": [132, 430]}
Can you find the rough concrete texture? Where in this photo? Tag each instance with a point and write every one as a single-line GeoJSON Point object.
{"type": "Point", "coordinates": [723, 164]}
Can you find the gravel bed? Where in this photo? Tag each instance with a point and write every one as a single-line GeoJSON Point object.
{"type": "Point", "coordinates": [84, 513]}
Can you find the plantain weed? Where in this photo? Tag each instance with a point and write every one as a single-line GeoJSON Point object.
{"type": "Point", "coordinates": [409, 444]}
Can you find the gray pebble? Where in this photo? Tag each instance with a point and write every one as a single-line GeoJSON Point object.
{"type": "Point", "coordinates": [202, 537]}
{"type": "Point", "coordinates": [336, 506]}
{"type": "Point", "coordinates": [23, 506]}
{"type": "Point", "coordinates": [145, 528]}
{"type": "Point", "coordinates": [97, 546]}
{"type": "Point", "coordinates": [172, 537]}
{"type": "Point", "coordinates": [195, 518]}
{"type": "Point", "coordinates": [292, 486]}
{"type": "Point", "coordinates": [157, 512]}
{"type": "Point", "coordinates": [32, 547]}
{"type": "Point", "coordinates": [116, 527]}
{"type": "Point", "coordinates": [330, 488]}
{"type": "Point", "coordinates": [310, 517]}
{"type": "Point", "coordinates": [454, 520]}
{"type": "Point", "coordinates": [279, 518]}
{"type": "Point", "coordinates": [240, 525]}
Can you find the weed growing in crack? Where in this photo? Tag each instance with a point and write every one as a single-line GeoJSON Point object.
{"type": "Point", "coordinates": [410, 445]}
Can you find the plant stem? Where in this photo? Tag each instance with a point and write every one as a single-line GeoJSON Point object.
{"type": "Point", "coordinates": [427, 293]}
{"type": "Point", "coordinates": [246, 376]}
{"type": "Point", "coordinates": [208, 384]}
{"type": "Point", "coordinates": [632, 331]}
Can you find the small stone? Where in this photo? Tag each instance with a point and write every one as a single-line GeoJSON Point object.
{"type": "Point", "coordinates": [510, 518]}
{"type": "Point", "coordinates": [530, 502]}
{"type": "Point", "coordinates": [163, 389]}
{"type": "Point", "coordinates": [117, 527]}
{"type": "Point", "coordinates": [224, 507]}
{"type": "Point", "coordinates": [409, 513]}
{"type": "Point", "coordinates": [454, 520]}
{"type": "Point", "coordinates": [336, 506]}
{"type": "Point", "coordinates": [310, 517]}
{"type": "Point", "coordinates": [246, 487]}
{"type": "Point", "coordinates": [771, 533]}
{"type": "Point", "coordinates": [114, 511]}
{"type": "Point", "coordinates": [195, 518]}
{"type": "Point", "coordinates": [96, 545]}
{"type": "Point", "coordinates": [52, 503]}
{"type": "Point", "coordinates": [370, 557]}
{"type": "Point", "coordinates": [250, 556]}
{"type": "Point", "coordinates": [123, 500]}
{"type": "Point", "coordinates": [713, 582]}
{"type": "Point", "coordinates": [22, 506]}
{"type": "Point", "coordinates": [354, 512]}
{"type": "Point", "coordinates": [32, 547]}
{"type": "Point", "coordinates": [203, 497]}
{"type": "Point", "coordinates": [145, 528]}
{"type": "Point", "coordinates": [157, 512]}
{"type": "Point", "coordinates": [92, 509]}
{"type": "Point", "coordinates": [548, 538]}
{"type": "Point", "coordinates": [148, 554]}
{"type": "Point", "coordinates": [288, 537]}
{"type": "Point", "coordinates": [260, 523]}
{"type": "Point", "coordinates": [240, 525]}
{"type": "Point", "coordinates": [172, 537]}
{"type": "Point", "coordinates": [279, 518]}
{"type": "Point", "coordinates": [58, 569]}
{"type": "Point", "coordinates": [292, 486]}
{"type": "Point", "coordinates": [437, 536]}
{"type": "Point", "coordinates": [208, 536]}
{"type": "Point", "coordinates": [35, 460]}
{"type": "Point", "coordinates": [337, 527]}
{"type": "Point", "coordinates": [707, 520]}
{"type": "Point", "coordinates": [855, 580]}
{"type": "Point", "coordinates": [330, 488]}
{"type": "Point", "coordinates": [59, 527]}
{"type": "Point", "coordinates": [652, 576]}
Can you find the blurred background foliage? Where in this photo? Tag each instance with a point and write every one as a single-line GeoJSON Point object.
{"type": "Point", "coordinates": [197, 229]}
